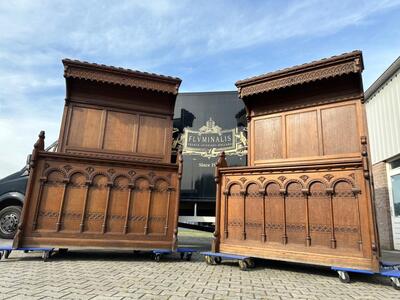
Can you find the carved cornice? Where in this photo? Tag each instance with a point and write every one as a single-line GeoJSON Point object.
{"type": "Point", "coordinates": [119, 76]}
{"type": "Point", "coordinates": [317, 70]}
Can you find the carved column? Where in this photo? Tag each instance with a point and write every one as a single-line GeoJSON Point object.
{"type": "Point", "coordinates": [131, 192]}
{"type": "Point", "coordinates": [306, 193]}
{"type": "Point", "coordinates": [60, 210]}
{"type": "Point", "coordinates": [243, 193]}
{"type": "Point", "coordinates": [146, 226]}
{"type": "Point", "coordinates": [104, 225]}
{"type": "Point", "coordinates": [330, 192]}
{"type": "Point", "coordinates": [262, 193]}
{"type": "Point", "coordinates": [169, 191]}
{"type": "Point", "coordinates": [356, 192]}
{"type": "Point", "coordinates": [284, 236]}
{"type": "Point", "coordinates": [87, 187]}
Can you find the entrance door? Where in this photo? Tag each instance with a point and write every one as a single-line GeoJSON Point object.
{"type": "Point", "coordinates": [394, 192]}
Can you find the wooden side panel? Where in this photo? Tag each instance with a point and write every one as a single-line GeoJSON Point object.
{"type": "Point", "coordinates": [319, 215]}
{"type": "Point", "coordinates": [138, 210]}
{"type": "Point", "coordinates": [339, 129]}
{"type": "Point", "coordinates": [48, 208]}
{"type": "Point", "coordinates": [254, 213]}
{"type": "Point", "coordinates": [268, 143]}
{"type": "Point", "coordinates": [96, 204]}
{"type": "Point", "coordinates": [316, 215]}
{"type": "Point", "coordinates": [73, 204]}
{"type": "Point", "coordinates": [323, 132]}
{"type": "Point", "coordinates": [120, 125]}
{"type": "Point", "coordinates": [302, 134]}
{"type": "Point", "coordinates": [234, 222]}
{"type": "Point", "coordinates": [347, 231]}
{"type": "Point", "coordinates": [295, 214]}
{"type": "Point", "coordinates": [84, 127]}
{"type": "Point", "coordinates": [152, 135]}
{"type": "Point", "coordinates": [114, 204]}
{"type": "Point", "coordinates": [108, 132]}
{"type": "Point", "coordinates": [274, 209]}
{"type": "Point", "coordinates": [159, 207]}
{"type": "Point", "coordinates": [116, 212]}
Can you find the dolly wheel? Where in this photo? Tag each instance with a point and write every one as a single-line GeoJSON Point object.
{"type": "Point", "coordinates": [344, 276]}
{"type": "Point", "coordinates": [46, 255]}
{"type": "Point", "coordinates": [188, 256]}
{"type": "Point", "coordinates": [7, 253]}
{"type": "Point", "coordinates": [395, 282]}
{"type": "Point", "coordinates": [217, 260]}
{"type": "Point", "coordinates": [1, 254]}
{"type": "Point", "coordinates": [208, 259]}
{"type": "Point", "coordinates": [243, 265]}
{"type": "Point", "coordinates": [157, 257]}
{"type": "Point", "coordinates": [182, 255]}
{"type": "Point", "coordinates": [250, 262]}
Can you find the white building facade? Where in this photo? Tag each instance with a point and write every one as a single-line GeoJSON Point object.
{"type": "Point", "coordinates": [383, 115]}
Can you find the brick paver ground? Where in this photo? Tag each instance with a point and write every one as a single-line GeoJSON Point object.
{"type": "Point", "coordinates": [124, 275]}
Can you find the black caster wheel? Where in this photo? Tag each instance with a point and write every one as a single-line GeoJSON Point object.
{"type": "Point", "coordinates": [7, 253]}
{"type": "Point", "coordinates": [157, 257]}
{"type": "Point", "coordinates": [26, 251]}
{"type": "Point", "coordinates": [217, 260]}
{"type": "Point", "coordinates": [395, 282]}
{"type": "Point", "coordinates": [62, 251]}
{"type": "Point", "coordinates": [243, 265]}
{"type": "Point", "coordinates": [344, 276]}
{"type": "Point", "coordinates": [182, 255]}
{"type": "Point", "coordinates": [1, 254]}
{"type": "Point", "coordinates": [250, 263]}
{"type": "Point", "coordinates": [188, 256]}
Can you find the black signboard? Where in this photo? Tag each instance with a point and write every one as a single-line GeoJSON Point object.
{"type": "Point", "coordinates": [204, 125]}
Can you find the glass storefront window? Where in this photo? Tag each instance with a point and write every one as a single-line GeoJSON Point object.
{"type": "Point", "coordinates": [396, 194]}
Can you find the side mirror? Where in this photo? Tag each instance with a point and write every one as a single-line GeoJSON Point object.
{"type": "Point", "coordinates": [28, 160]}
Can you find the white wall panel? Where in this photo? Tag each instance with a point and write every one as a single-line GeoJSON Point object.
{"type": "Point", "coordinates": [383, 116]}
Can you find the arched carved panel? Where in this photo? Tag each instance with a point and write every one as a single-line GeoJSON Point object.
{"type": "Point", "coordinates": [138, 208]}
{"type": "Point", "coordinates": [346, 216]}
{"type": "Point", "coordinates": [295, 214]}
{"type": "Point", "coordinates": [319, 215]}
{"type": "Point", "coordinates": [273, 213]}
{"type": "Point", "coordinates": [116, 213]}
{"type": "Point", "coordinates": [158, 207]}
{"type": "Point", "coordinates": [49, 202]}
{"type": "Point", "coordinates": [96, 203]}
{"type": "Point", "coordinates": [254, 213]}
{"type": "Point", "coordinates": [73, 203]}
{"type": "Point", "coordinates": [235, 213]}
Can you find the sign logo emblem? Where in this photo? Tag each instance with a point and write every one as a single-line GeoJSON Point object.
{"type": "Point", "coordinates": [210, 140]}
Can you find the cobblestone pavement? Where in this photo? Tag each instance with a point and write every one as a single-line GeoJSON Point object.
{"type": "Point", "coordinates": [123, 275]}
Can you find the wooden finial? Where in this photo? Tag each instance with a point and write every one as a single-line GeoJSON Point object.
{"type": "Point", "coordinates": [39, 145]}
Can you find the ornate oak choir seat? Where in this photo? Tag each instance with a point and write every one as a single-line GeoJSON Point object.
{"type": "Point", "coordinates": [305, 195]}
{"type": "Point", "coordinates": [111, 182]}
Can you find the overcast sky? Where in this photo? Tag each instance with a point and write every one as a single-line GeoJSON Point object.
{"type": "Point", "coordinates": [209, 44]}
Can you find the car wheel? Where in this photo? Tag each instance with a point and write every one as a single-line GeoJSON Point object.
{"type": "Point", "coordinates": [9, 218]}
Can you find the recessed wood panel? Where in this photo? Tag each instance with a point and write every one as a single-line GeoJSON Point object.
{"type": "Point", "coordinates": [339, 129]}
{"type": "Point", "coordinates": [268, 141]}
{"type": "Point", "coordinates": [152, 135]}
{"type": "Point", "coordinates": [85, 127]}
{"type": "Point", "coordinates": [302, 134]}
{"type": "Point", "coordinates": [120, 132]}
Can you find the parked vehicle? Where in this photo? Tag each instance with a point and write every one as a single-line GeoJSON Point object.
{"type": "Point", "coordinates": [12, 194]}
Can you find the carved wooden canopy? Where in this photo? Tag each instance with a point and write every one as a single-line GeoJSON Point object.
{"type": "Point", "coordinates": [119, 76]}
{"type": "Point", "coordinates": [325, 68]}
